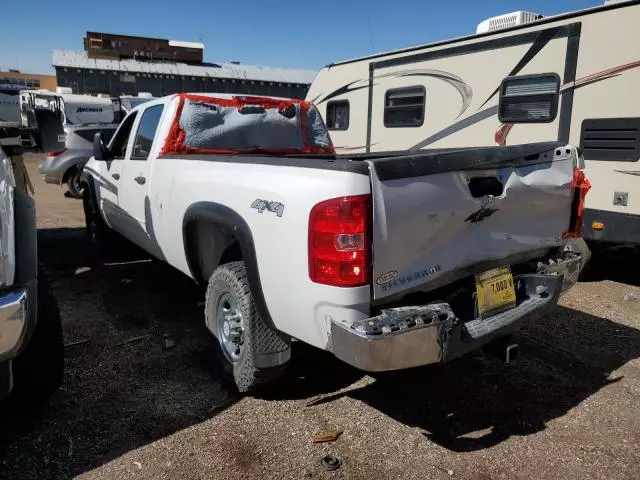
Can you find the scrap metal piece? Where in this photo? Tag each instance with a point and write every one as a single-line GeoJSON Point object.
{"type": "Point", "coordinates": [331, 436]}
{"type": "Point", "coordinates": [330, 463]}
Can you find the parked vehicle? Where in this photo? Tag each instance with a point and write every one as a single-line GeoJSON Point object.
{"type": "Point", "coordinates": [47, 115]}
{"type": "Point", "coordinates": [9, 103]}
{"type": "Point", "coordinates": [31, 345]}
{"type": "Point", "coordinates": [389, 261]}
{"type": "Point", "coordinates": [126, 103]}
{"type": "Point", "coordinates": [64, 166]}
{"type": "Point", "coordinates": [572, 77]}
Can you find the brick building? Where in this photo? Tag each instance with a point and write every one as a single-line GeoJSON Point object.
{"type": "Point", "coordinates": [128, 65]}
{"type": "Point", "coordinates": [118, 47]}
{"type": "Point", "coordinates": [28, 80]}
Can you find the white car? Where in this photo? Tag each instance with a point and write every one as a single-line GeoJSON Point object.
{"type": "Point", "coordinates": [390, 261]}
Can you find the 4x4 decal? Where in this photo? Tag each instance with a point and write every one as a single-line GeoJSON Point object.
{"type": "Point", "coordinates": [262, 205]}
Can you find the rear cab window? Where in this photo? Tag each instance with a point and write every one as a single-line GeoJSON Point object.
{"type": "Point", "coordinates": [205, 124]}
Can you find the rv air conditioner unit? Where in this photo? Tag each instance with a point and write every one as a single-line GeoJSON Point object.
{"type": "Point", "coordinates": [507, 20]}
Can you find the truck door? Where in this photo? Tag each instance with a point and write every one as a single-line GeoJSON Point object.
{"type": "Point", "coordinates": [133, 198]}
{"type": "Point", "coordinates": [108, 175]}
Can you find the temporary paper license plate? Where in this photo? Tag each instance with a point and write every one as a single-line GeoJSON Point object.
{"type": "Point", "coordinates": [495, 290]}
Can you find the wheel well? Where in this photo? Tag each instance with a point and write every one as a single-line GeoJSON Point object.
{"type": "Point", "coordinates": [207, 245]}
{"type": "Point", "coordinates": [231, 254]}
{"type": "Point", "coordinates": [70, 171]}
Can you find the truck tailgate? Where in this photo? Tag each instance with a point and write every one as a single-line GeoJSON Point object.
{"type": "Point", "coordinates": [440, 216]}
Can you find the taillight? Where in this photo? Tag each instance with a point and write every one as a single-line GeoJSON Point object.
{"type": "Point", "coordinates": [580, 188]}
{"type": "Point", "coordinates": [56, 153]}
{"type": "Point", "coordinates": [339, 241]}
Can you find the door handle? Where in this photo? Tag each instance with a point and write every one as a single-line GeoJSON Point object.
{"type": "Point", "coordinates": [140, 180]}
{"type": "Point", "coordinates": [116, 176]}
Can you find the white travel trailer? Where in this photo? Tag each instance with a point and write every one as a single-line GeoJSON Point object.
{"type": "Point", "coordinates": [572, 77]}
{"type": "Point", "coordinates": [47, 115]}
{"type": "Point", "coordinates": [72, 109]}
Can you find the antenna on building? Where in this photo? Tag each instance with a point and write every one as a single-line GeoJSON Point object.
{"type": "Point", "coordinates": [370, 32]}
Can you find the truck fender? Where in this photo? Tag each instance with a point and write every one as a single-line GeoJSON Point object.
{"type": "Point", "coordinates": [26, 273]}
{"type": "Point", "coordinates": [90, 197]}
{"type": "Point", "coordinates": [26, 232]}
{"type": "Point", "coordinates": [225, 217]}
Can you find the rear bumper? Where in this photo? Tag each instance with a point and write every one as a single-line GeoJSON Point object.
{"type": "Point", "coordinates": [618, 227]}
{"type": "Point", "coordinates": [408, 337]}
{"type": "Point", "coordinates": [51, 171]}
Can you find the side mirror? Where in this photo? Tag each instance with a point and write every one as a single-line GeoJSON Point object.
{"type": "Point", "coordinates": [100, 152]}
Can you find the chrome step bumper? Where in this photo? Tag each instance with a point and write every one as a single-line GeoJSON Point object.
{"type": "Point", "coordinates": [411, 336]}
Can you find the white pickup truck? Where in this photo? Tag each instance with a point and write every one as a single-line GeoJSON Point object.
{"type": "Point", "coordinates": [389, 261]}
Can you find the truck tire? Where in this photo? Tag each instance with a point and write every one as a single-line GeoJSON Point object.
{"type": "Point", "coordinates": [74, 182]}
{"type": "Point", "coordinates": [38, 370]}
{"type": "Point", "coordinates": [233, 318]}
{"type": "Point", "coordinates": [98, 233]}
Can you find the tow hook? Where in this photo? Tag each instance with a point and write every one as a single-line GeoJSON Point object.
{"type": "Point", "coordinates": [511, 352]}
{"type": "Point", "coordinates": [502, 350]}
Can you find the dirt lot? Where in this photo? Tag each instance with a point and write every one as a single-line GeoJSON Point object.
{"type": "Point", "coordinates": [130, 408]}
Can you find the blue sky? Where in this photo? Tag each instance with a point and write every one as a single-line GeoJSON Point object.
{"type": "Point", "coordinates": [274, 33]}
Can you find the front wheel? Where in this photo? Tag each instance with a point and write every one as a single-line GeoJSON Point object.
{"type": "Point", "coordinates": [256, 352]}
{"type": "Point", "coordinates": [98, 233]}
{"type": "Point", "coordinates": [74, 183]}
{"type": "Point", "coordinates": [38, 370]}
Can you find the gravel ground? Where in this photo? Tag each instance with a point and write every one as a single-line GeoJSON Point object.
{"type": "Point", "coordinates": [132, 408]}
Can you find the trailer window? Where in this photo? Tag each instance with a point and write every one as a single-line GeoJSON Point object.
{"type": "Point", "coordinates": [529, 98]}
{"type": "Point", "coordinates": [404, 107]}
{"type": "Point", "coordinates": [338, 115]}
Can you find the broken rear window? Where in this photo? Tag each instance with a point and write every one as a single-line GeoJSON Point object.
{"type": "Point", "coordinates": [213, 125]}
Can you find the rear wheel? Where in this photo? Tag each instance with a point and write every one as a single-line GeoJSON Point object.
{"type": "Point", "coordinates": [74, 182]}
{"type": "Point", "coordinates": [256, 352]}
